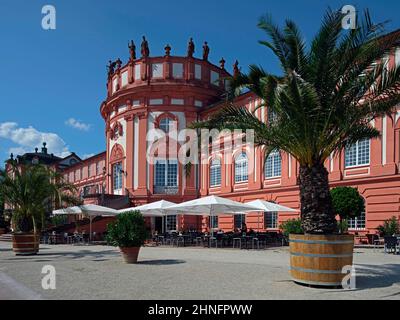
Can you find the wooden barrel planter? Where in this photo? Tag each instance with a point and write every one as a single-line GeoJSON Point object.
{"type": "Point", "coordinates": [318, 260]}
{"type": "Point", "coordinates": [25, 243]}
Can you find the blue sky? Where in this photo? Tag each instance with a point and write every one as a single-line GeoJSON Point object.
{"type": "Point", "coordinates": [53, 82]}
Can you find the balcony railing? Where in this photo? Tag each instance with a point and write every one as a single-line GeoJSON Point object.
{"type": "Point", "coordinates": [168, 190]}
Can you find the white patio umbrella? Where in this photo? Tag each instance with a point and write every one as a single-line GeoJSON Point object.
{"type": "Point", "coordinates": [269, 207]}
{"type": "Point", "coordinates": [212, 206]}
{"type": "Point", "coordinates": [154, 209]}
{"type": "Point", "coordinates": [90, 210]}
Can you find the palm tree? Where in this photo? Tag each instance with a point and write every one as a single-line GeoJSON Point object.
{"type": "Point", "coordinates": [325, 100]}
{"type": "Point", "coordinates": [32, 191]}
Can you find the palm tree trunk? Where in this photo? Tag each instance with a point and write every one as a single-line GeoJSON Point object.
{"type": "Point", "coordinates": [316, 203]}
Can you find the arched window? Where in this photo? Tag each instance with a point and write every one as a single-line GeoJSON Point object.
{"type": "Point", "coordinates": [166, 124]}
{"type": "Point", "coordinates": [215, 173]}
{"type": "Point", "coordinates": [241, 168]}
{"type": "Point", "coordinates": [273, 165]}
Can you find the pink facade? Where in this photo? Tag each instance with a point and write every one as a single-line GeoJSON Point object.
{"type": "Point", "coordinates": [169, 93]}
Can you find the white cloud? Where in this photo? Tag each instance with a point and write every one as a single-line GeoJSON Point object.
{"type": "Point", "coordinates": [77, 124]}
{"type": "Point", "coordinates": [27, 139]}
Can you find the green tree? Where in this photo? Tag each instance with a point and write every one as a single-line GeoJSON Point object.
{"type": "Point", "coordinates": [324, 101]}
{"type": "Point", "coordinates": [129, 230]}
{"type": "Point", "coordinates": [347, 203]}
{"type": "Point", "coordinates": [32, 191]}
{"type": "Point", "coordinates": [390, 227]}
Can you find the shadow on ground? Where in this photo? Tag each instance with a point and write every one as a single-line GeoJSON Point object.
{"type": "Point", "coordinates": [69, 255]}
{"type": "Point", "coordinates": [161, 262]}
{"type": "Point", "coordinates": [377, 276]}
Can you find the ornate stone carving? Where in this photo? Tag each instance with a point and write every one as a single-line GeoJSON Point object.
{"type": "Point", "coordinates": [236, 70]}
{"type": "Point", "coordinates": [145, 51]}
{"type": "Point", "coordinates": [191, 47]}
{"type": "Point", "coordinates": [132, 50]}
{"type": "Point", "coordinates": [206, 51]}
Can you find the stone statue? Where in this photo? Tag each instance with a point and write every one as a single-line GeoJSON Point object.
{"type": "Point", "coordinates": [190, 51]}
{"type": "Point", "coordinates": [206, 51]}
{"type": "Point", "coordinates": [132, 50]}
{"type": "Point", "coordinates": [236, 70]}
{"type": "Point", "coordinates": [145, 48]}
{"type": "Point", "coordinates": [167, 50]}
{"type": "Point", "coordinates": [118, 63]}
{"type": "Point", "coordinates": [111, 67]}
{"type": "Point", "coordinates": [222, 63]}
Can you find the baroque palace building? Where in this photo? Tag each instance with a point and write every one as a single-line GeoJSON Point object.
{"type": "Point", "coordinates": [170, 92]}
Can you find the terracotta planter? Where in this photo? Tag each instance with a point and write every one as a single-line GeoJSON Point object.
{"type": "Point", "coordinates": [130, 255]}
{"type": "Point", "coordinates": [318, 260]}
{"type": "Point", "coordinates": [25, 243]}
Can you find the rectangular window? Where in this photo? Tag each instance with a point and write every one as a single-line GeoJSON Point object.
{"type": "Point", "coordinates": [271, 220]}
{"type": "Point", "coordinates": [124, 78]}
{"type": "Point", "coordinates": [239, 219]}
{"type": "Point", "coordinates": [214, 78]}
{"type": "Point", "coordinates": [114, 85]}
{"type": "Point", "coordinates": [157, 70]}
{"type": "Point", "coordinates": [358, 154]}
{"type": "Point", "coordinates": [155, 102]}
{"type": "Point", "coordinates": [166, 176]}
{"type": "Point", "coordinates": [98, 168]}
{"type": "Point", "coordinates": [117, 176]}
{"type": "Point", "coordinates": [198, 103]}
{"type": "Point", "coordinates": [171, 223]}
{"type": "Point", "coordinates": [179, 102]}
{"type": "Point", "coordinates": [357, 223]}
{"type": "Point", "coordinates": [137, 72]}
{"type": "Point", "coordinates": [215, 173]}
{"type": "Point", "coordinates": [397, 57]}
{"type": "Point", "coordinates": [177, 70]}
{"type": "Point", "coordinates": [214, 222]}
{"type": "Point", "coordinates": [89, 171]}
{"type": "Point", "coordinates": [197, 71]}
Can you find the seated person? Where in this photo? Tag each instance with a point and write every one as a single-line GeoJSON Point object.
{"type": "Point", "coordinates": [244, 228]}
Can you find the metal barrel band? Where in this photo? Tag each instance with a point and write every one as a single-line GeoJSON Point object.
{"type": "Point", "coordinates": [317, 271]}
{"type": "Point", "coordinates": [320, 255]}
{"type": "Point", "coordinates": [322, 241]}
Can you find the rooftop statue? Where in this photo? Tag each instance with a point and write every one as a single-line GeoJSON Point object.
{"type": "Point", "coordinates": [132, 50]}
{"type": "Point", "coordinates": [222, 63]}
{"type": "Point", "coordinates": [236, 70]}
{"type": "Point", "coordinates": [190, 51]}
{"type": "Point", "coordinates": [145, 48]}
{"type": "Point", "coordinates": [111, 67]}
{"type": "Point", "coordinates": [206, 51]}
{"type": "Point", "coordinates": [118, 63]}
{"type": "Point", "coordinates": [167, 50]}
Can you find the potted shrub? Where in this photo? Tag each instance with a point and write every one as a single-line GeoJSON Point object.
{"type": "Point", "coordinates": [347, 203]}
{"type": "Point", "coordinates": [390, 227]}
{"type": "Point", "coordinates": [128, 233]}
{"type": "Point", "coordinates": [30, 190]}
{"type": "Point", "coordinates": [324, 100]}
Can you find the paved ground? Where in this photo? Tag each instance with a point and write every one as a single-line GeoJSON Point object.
{"type": "Point", "coordinates": [97, 272]}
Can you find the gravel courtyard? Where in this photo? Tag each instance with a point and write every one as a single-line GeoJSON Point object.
{"type": "Point", "coordinates": [97, 272]}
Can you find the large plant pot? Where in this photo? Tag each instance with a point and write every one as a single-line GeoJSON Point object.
{"type": "Point", "coordinates": [25, 243]}
{"type": "Point", "coordinates": [130, 255]}
{"type": "Point", "coordinates": [318, 260]}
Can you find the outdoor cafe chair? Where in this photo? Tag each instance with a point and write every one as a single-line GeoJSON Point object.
{"type": "Point", "coordinates": [391, 245]}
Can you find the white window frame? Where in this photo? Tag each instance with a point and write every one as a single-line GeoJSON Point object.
{"type": "Point", "coordinates": [354, 222]}
{"type": "Point", "coordinates": [274, 219]}
{"type": "Point", "coordinates": [215, 177]}
{"type": "Point", "coordinates": [118, 180]}
{"type": "Point", "coordinates": [357, 155]}
{"type": "Point", "coordinates": [166, 172]}
{"type": "Point", "coordinates": [177, 70]}
{"type": "Point", "coordinates": [272, 160]}
{"type": "Point", "coordinates": [238, 164]}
